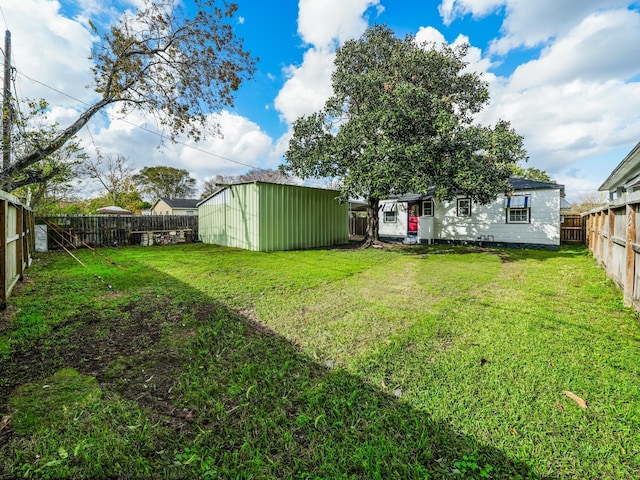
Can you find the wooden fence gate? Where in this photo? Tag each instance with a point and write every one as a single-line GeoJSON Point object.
{"type": "Point", "coordinates": [357, 226]}
{"type": "Point", "coordinates": [572, 229]}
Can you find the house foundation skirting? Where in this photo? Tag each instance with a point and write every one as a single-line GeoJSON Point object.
{"type": "Point", "coordinates": [477, 243]}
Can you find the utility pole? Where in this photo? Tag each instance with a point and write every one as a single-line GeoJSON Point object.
{"type": "Point", "coordinates": [6, 104]}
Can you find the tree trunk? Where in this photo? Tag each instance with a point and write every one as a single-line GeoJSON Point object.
{"type": "Point", "coordinates": [8, 176]}
{"type": "Point", "coordinates": [372, 220]}
{"type": "Point", "coordinates": [372, 236]}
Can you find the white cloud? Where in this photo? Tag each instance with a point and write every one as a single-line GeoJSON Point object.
{"type": "Point", "coordinates": [574, 104]}
{"type": "Point", "coordinates": [476, 62]}
{"type": "Point", "coordinates": [308, 86]}
{"type": "Point", "coordinates": [430, 35]}
{"type": "Point", "coordinates": [323, 22]}
{"type": "Point", "coordinates": [563, 124]}
{"type": "Point", "coordinates": [527, 23]}
{"type": "Point", "coordinates": [575, 101]}
{"type": "Point", "coordinates": [54, 54]}
{"type": "Point", "coordinates": [603, 46]}
{"type": "Point", "coordinates": [452, 9]}
{"type": "Point", "coordinates": [532, 23]}
{"type": "Point", "coordinates": [243, 146]}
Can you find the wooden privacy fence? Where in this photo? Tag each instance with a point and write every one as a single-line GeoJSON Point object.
{"type": "Point", "coordinates": [357, 226]}
{"type": "Point", "coordinates": [118, 230]}
{"type": "Point", "coordinates": [612, 237]}
{"type": "Point", "coordinates": [572, 229]}
{"type": "Point", "coordinates": [17, 243]}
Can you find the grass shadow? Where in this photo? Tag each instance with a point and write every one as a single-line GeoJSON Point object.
{"type": "Point", "coordinates": [222, 396]}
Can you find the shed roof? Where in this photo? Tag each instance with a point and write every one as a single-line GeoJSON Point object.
{"type": "Point", "coordinates": [258, 182]}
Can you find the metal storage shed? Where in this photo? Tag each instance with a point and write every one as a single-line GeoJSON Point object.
{"type": "Point", "coordinates": [267, 217]}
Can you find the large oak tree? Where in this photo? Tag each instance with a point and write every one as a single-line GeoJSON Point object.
{"type": "Point", "coordinates": [177, 64]}
{"type": "Point", "coordinates": [165, 182]}
{"type": "Point", "coordinates": [401, 119]}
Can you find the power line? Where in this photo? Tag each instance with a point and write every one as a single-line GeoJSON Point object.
{"type": "Point", "coordinates": [6, 26]}
{"type": "Point", "coordinates": [148, 130]}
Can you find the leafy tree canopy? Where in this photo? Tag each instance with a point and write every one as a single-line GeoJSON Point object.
{"type": "Point", "coordinates": [401, 120]}
{"type": "Point", "coordinates": [177, 64]}
{"type": "Point", "coordinates": [165, 182]}
{"type": "Point", "coordinates": [531, 173]}
{"type": "Point", "coordinates": [50, 179]}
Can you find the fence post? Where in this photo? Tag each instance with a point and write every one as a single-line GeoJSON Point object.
{"type": "Point", "coordinates": [19, 242]}
{"type": "Point", "coordinates": [3, 254]}
{"type": "Point", "coordinates": [630, 270]}
{"type": "Point", "coordinates": [612, 233]}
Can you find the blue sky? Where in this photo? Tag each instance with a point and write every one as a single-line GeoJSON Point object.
{"type": "Point", "coordinates": [565, 74]}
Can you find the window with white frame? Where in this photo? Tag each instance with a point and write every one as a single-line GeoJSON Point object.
{"type": "Point", "coordinates": [518, 215]}
{"type": "Point", "coordinates": [390, 214]}
{"type": "Point", "coordinates": [390, 217]}
{"type": "Point", "coordinates": [518, 209]}
{"type": "Point", "coordinates": [427, 208]}
{"type": "Point", "coordinates": [464, 207]}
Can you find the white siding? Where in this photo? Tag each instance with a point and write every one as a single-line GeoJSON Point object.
{"type": "Point", "coordinates": [488, 222]}
{"type": "Point", "coordinates": [397, 229]}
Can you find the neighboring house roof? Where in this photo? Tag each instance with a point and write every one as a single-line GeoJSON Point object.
{"type": "Point", "coordinates": [626, 174]}
{"type": "Point", "coordinates": [113, 210]}
{"type": "Point", "coordinates": [178, 202]}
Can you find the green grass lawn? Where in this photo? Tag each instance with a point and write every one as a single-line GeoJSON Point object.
{"type": "Point", "coordinates": [197, 361]}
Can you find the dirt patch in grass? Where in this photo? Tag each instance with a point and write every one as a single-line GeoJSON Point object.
{"type": "Point", "coordinates": [123, 351]}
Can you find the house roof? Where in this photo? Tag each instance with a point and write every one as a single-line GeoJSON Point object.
{"type": "Point", "coordinates": [627, 171]}
{"type": "Point", "coordinates": [523, 184]}
{"type": "Point", "coordinates": [516, 183]}
{"type": "Point", "coordinates": [179, 202]}
{"type": "Point", "coordinates": [414, 197]}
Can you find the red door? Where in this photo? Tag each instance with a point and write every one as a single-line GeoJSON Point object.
{"type": "Point", "coordinates": [414, 214]}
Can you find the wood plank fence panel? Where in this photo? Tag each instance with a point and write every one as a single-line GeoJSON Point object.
{"type": "Point", "coordinates": [117, 230]}
{"type": "Point", "coordinates": [572, 229]}
{"type": "Point", "coordinates": [613, 234]}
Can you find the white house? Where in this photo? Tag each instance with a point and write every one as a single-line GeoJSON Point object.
{"type": "Point", "coordinates": [529, 217]}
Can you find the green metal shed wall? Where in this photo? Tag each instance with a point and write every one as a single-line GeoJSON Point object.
{"type": "Point", "coordinates": [231, 217]}
{"type": "Point", "coordinates": [293, 217]}
{"type": "Point", "coordinates": [269, 217]}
